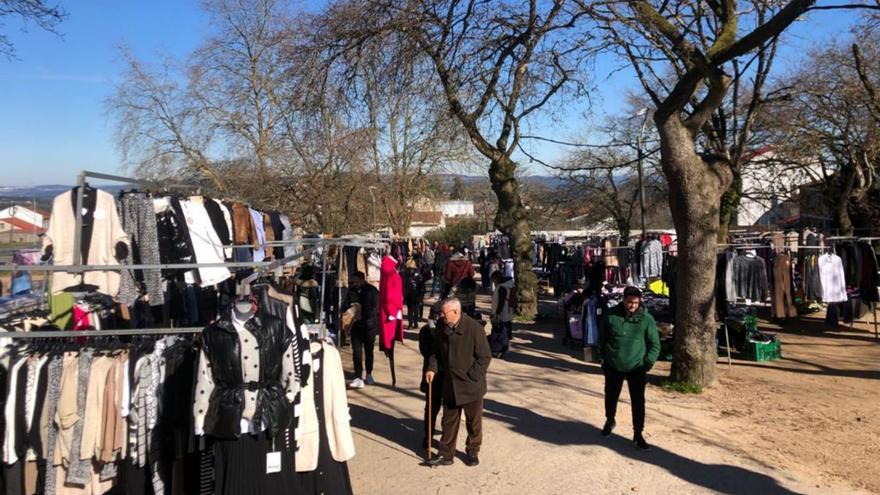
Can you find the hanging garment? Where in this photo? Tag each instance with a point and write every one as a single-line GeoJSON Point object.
{"type": "Point", "coordinates": [174, 244]}
{"type": "Point", "coordinates": [750, 277]}
{"type": "Point", "coordinates": [373, 269]}
{"type": "Point", "coordinates": [287, 235]}
{"type": "Point", "coordinates": [592, 312]}
{"type": "Point", "coordinates": [205, 243]}
{"type": "Point", "coordinates": [610, 246]}
{"type": "Point", "coordinates": [232, 348]}
{"type": "Point", "coordinates": [259, 227]}
{"type": "Point", "coordinates": [325, 419]}
{"type": "Point", "coordinates": [390, 304]}
{"type": "Point", "coordinates": [870, 274]}
{"type": "Point", "coordinates": [222, 223]}
{"type": "Point", "coordinates": [652, 259]}
{"type": "Point", "coordinates": [832, 277]}
{"type": "Point", "coordinates": [101, 233]}
{"type": "Point", "coordinates": [783, 306]}
{"type": "Point", "coordinates": [139, 221]}
{"type": "Point", "coordinates": [278, 231]}
{"type": "Point", "coordinates": [725, 288]}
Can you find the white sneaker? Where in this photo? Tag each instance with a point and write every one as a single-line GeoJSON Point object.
{"type": "Point", "coordinates": [356, 383]}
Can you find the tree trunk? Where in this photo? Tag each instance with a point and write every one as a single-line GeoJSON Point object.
{"type": "Point", "coordinates": [730, 201]}
{"type": "Point", "coordinates": [839, 199]}
{"type": "Point", "coordinates": [695, 190]}
{"type": "Point", "coordinates": [511, 220]}
{"type": "Point", "coordinates": [623, 228]}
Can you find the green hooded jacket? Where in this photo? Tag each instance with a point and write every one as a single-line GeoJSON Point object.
{"type": "Point", "coordinates": [627, 342]}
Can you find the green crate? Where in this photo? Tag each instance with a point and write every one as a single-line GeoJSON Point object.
{"type": "Point", "coordinates": [763, 351]}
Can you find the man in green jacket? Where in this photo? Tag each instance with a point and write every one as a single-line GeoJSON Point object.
{"type": "Point", "coordinates": [629, 346]}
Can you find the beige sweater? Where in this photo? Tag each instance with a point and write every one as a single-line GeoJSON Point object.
{"type": "Point", "coordinates": [107, 232]}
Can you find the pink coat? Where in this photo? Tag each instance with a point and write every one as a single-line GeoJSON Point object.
{"type": "Point", "coordinates": [390, 303]}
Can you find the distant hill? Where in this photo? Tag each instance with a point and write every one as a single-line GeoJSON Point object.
{"type": "Point", "coordinates": [542, 180]}
{"type": "Point", "coordinates": [47, 191]}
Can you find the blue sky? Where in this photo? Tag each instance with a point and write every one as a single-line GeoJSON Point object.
{"type": "Point", "coordinates": [52, 114]}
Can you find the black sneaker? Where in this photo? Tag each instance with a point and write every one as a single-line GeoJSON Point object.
{"type": "Point", "coordinates": [608, 428]}
{"type": "Point", "coordinates": [640, 443]}
{"type": "Point", "coordinates": [472, 460]}
{"type": "Point", "coordinates": [440, 461]}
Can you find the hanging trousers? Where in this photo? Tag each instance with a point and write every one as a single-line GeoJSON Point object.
{"type": "Point", "coordinates": [636, 381]}
{"type": "Point", "coordinates": [473, 413]}
{"type": "Point", "coordinates": [362, 343]}
{"type": "Point", "coordinates": [783, 306]}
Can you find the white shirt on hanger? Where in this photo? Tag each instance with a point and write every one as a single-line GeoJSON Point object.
{"type": "Point", "coordinates": [832, 278]}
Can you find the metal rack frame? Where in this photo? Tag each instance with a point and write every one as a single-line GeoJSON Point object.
{"type": "Point", "coordinates": [262, 267]}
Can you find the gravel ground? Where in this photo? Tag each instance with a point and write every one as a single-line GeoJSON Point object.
{"type": "Point", "coordinates": [806, 424]}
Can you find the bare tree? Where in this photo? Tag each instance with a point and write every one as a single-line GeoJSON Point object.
{"type": "Point", "coordinates": [680, 52]}
{"type": "Point", "coordinates": [828, 127]}
{"type": "Point", "coordinates": [236, 76]}
{"type": "Point", "coordinates": [604, 178]}
{"type": "Point", "coordinates": [497, 65]}
{"type": "Point", "coordinates": [159, 130]}
{"type": "Point", "coordinates": [45, 15]}
{"type": "Point", "coordinates": [393, 96]}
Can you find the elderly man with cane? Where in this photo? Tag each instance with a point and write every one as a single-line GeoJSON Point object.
{"type": "Point", "coordinates": [461, 353]}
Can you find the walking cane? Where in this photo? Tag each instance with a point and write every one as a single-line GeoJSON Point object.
{"type": "Point", "coordinates": [429, 427]}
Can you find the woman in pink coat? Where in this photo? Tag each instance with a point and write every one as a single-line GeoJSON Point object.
{"type": "Point", "coordinates": [390, 304]}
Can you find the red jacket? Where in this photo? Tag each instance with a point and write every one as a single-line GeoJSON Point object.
{"type": "Point", "coordinates": [457, 269]}
{"type": "Point", "coordinates": [390, 303]}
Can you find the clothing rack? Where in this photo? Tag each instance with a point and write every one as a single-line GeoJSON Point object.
{"type": "Point", "coordinates": [81, 184]}
{"type": "Point", "coordinates": [60, 334]}
{"type": "Point", "coordinates": [272, 266]}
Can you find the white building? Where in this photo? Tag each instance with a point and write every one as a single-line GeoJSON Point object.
{"type": "Point", "coordinates": [25, 214]}
{"type": "Point", "coordinates": [452, 209]}
{"type": "Point", "coordinates": [767, 185]}
{"type": "Point", "coordinates": [423, 222]}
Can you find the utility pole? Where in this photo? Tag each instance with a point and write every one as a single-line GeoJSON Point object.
{"type": "Point", "coordinates": [639, 143]}
{"type": "Point", "coordinates": [373, 214]}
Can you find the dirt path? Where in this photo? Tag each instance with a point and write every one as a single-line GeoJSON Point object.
{"type": "Point", "coordinates": [807, 424]}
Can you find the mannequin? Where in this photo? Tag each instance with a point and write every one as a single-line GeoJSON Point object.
{"type": "Point", "coordinates": [245, 388]}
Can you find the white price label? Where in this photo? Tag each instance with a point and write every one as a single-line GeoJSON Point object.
{"type": "Point", "coordinates": [273, 462]}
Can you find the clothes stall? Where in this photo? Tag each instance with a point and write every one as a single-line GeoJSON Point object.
{"type": "Point", "coordinates": [98, 409]}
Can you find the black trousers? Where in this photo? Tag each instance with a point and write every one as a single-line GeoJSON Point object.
{"type": "Point", "coordinates": [413, 313]}
{"type": "Point", "coordinates": [636, 381]}
{"type": "Point", "coordinates": [362, 344]}
{"type": "Point", "coordinates": [473, 414]}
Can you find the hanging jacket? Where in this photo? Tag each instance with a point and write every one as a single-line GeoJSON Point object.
{"type": "Point", "coordinates": [750, 277]}
{"type": "Point", "coordinates": [335, 408]}
{"type": "Point", "coordinates": [222, 350]}
{"type": "Point", "coordinates": [101, 232]}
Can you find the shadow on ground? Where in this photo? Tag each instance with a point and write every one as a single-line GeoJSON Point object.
{"type": "Point", "coordinates": [719, 477]}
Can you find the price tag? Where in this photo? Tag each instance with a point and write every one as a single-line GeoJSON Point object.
{"type": "Point", "coordinates": [273, 462]}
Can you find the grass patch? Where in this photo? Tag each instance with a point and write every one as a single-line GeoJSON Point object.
{"type": "Point", "coordinates": [682, 387]}
{"type": "Point", "coordinates": [524, 319]}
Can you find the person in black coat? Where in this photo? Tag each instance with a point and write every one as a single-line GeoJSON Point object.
{"type": "Point", "coordinates": [364, 330]}
{"type": "Point", "coordinates": [461, 352]}
{"type": "Point", "coordinates": [413, 293]}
